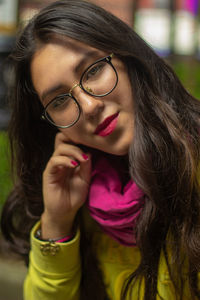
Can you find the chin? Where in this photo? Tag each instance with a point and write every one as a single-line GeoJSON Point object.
{"type": "Point", "coordinates": [113, 146]}
{"type": "Point", "coordinates": [122, 147]}
{"type": "Point", "coordinates": [118, 150]}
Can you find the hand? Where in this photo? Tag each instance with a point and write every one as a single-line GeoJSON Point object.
{"type": "Point", "coordinates": [66, 182]}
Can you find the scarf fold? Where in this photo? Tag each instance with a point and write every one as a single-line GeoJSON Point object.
{"type": "Point", "coordinates": [116, 209]}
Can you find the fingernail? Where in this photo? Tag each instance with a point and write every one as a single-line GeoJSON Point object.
{"type": "Point", "coordinates": [85, 156]}
{"type": "Point", "coordinates": [74, 163]}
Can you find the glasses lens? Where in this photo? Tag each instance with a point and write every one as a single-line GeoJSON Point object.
{"type": "Point", "coordinates": [63, 111]}
{"type": "Point", "coordinates": [99, 79]}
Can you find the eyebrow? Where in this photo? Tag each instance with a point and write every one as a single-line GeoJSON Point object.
{"type": "Point", "coordinates": [53, 89]}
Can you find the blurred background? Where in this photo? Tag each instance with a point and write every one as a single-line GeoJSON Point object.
{"type": "Point", "coordinates": [171, 27]}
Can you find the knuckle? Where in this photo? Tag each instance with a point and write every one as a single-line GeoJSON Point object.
{"type": "Point", "coordinates": [59, 147]}
{"type": "Point", "coordinates": [59, 135]}
{"type": "Point", "coordinates": [50, 163]}
{"type": "Point", "coordinates": [52, 160]}
{"type": "Point", "coordinates": [58, 138]}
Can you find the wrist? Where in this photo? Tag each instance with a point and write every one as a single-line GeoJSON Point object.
{"type": "Point", "coordinates": [63, 239]}
{"type": "Point", "coordinates": [56, 229]}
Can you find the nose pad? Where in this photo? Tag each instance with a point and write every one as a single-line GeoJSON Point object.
{"type": "Point", "coordinates": [90, 105]}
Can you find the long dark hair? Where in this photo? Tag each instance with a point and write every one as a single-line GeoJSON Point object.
{"type": "Point", "coordinates": [164, 155]}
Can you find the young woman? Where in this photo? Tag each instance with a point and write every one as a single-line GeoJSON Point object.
{"type": "Point", "coordinates": [105, 147]}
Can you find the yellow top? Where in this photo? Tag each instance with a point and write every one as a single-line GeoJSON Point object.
{"type": "Point", "coordinates": [56, 273]}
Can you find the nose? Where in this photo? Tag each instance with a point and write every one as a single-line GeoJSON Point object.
{"type": "Point", "coordinates": [90, 105]}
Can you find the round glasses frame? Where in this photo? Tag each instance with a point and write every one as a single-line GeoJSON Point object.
{"type": "Point", "coordinates": [106, 59]}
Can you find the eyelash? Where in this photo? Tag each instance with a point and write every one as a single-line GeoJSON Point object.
{"type": "Point", "coordinates": [96, 68]}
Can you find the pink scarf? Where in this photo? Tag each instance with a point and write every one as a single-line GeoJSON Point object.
{"type": "Point", "coordinates": [115, 210]}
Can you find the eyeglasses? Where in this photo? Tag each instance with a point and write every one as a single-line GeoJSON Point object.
{"type": "Point", "coordinates": [98, 80]}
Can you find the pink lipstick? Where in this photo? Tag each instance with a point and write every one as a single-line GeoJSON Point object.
{"type": "Point", "coordinates": [107, 126]}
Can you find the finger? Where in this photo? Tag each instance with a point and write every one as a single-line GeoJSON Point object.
{"type": "Point", "coordinates": [61, 138]}
{"type": "Point", "coordinates": [71, 151]}
{"type": "Point", "coordinates": [57, 163]}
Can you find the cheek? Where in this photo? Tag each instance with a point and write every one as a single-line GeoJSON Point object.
{"type": "Point", "coordinates": [124, 92]}
{"type": "Point", "coordinates": [128, 92]}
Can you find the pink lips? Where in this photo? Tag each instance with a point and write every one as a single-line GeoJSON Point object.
{"type": "Point", "coordinates": [107, 126]}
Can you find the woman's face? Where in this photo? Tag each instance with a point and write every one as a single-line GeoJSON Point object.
{"type": "Point", "coordinates": [56, 67]}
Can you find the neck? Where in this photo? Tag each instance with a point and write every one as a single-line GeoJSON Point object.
{"type": "Point", "coordinates": [119, 163]}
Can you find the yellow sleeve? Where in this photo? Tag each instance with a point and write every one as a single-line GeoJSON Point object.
{"type": "Point", "coordinates": [53, 277]}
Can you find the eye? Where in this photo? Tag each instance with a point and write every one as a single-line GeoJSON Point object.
{"type": "Point", "coordinates": [94, 71]}
{"type": "Point", "coordinates": [59, 102]}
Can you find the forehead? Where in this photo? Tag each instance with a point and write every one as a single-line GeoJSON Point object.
{"type": "Point", "coordinates": [54, 61]}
